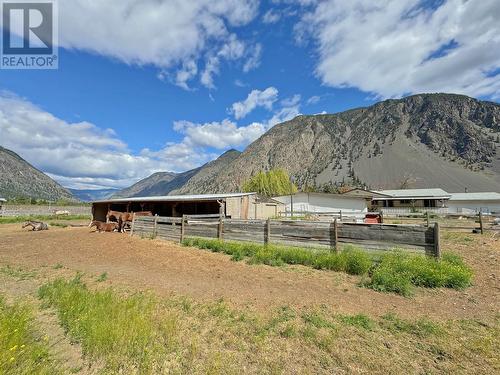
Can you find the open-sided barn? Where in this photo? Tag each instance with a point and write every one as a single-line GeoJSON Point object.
{"type": "Point", "coordinates": [231, 205]}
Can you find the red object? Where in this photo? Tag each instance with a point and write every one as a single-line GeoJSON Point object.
{"type": "Point", "coordinates": [373, 219]}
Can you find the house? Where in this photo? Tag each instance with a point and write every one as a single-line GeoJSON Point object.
{"type": "Point", "coordinates": [473, 203]}
{"type": "Point", "coordinates": [324, 203]}
{"type": "Point", "coordinates": [232, 205]}
{"type": "Point", "coordinates": [407, 200]}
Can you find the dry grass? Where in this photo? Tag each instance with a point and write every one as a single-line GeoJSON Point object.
{"type": "Point", "coordinates": [141, 333]}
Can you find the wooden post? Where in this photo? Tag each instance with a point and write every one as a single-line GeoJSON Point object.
{"type": "Point", "coordinates": [381, 217]}
{"type": "Point", "coordinates": [220, 228]}
{"type": "Point", "coordinates": [155, 227]}
{"type": "Point", "coordinates": [481, 224]}
{"type": "Point", "coordinates": [437, 244]}
{"type": "Point", "coordinates": [267, 232]}
{"type": "Point", "coordinates": [182, 228]}
{"type": "Point", "coordinates": [334, 239]}
{"type": "Point", "coordinates": [427, 217]}
{"type": "Point", "coordinates": [340, 216]}
{"type": "Point", "coordinates": [133, 224]}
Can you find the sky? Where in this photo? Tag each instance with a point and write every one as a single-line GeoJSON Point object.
{"type": "Point", "coordinates": [168, 85]}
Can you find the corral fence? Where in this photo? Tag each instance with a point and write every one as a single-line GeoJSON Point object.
{"type": "Point", "coordinates": [331, 235]}
{"type": "Point", "coordinates": [479, 223]}
{"type": "Point", "coordinates": [32, 209]}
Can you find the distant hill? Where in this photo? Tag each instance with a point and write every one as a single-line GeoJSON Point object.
{"type": "Point", "coordinates": [170, 183]}
{"type": "Point", "coordinates": [427, 140]}
{"type": "Point", "coordinates": [18, 178]}
{"type": "Point", "coordinates": [89, 195]}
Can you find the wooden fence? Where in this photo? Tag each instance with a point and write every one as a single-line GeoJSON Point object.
{"type": "Point", "coordinates": [331, 235]}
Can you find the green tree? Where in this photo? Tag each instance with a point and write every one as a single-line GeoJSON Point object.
{"type": "Point", "coordinates": [270, 184]}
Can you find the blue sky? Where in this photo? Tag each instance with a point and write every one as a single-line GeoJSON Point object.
{"type": "Point", "coordinates": [150, 85]}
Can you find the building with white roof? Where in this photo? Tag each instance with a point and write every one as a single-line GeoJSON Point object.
{"type": "Point", "coordinates": [468, 203]}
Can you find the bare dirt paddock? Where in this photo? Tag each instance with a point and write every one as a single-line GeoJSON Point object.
{"type": "Point", "coordinates": [167, 268]}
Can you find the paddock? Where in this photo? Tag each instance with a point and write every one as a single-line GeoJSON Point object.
{"type": "Point", "coordinates": [231, 205]}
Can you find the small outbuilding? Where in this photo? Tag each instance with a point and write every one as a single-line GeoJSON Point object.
{"type": "Point", "coordinates": [408, 199]}
{"type": "Point", "coordinates": [231, 205]}
{"type": "Point", "coordinates": [473, 203]}
{"type": "Point", "coordinates": [325, 203]}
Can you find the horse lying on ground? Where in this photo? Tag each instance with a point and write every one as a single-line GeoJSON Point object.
{"type": "Point", "coordinates": [103, 227]}
{"type": "Point", "coordinates": [124, 218]}
{"type": "Point", "coordinates": [36, 225]}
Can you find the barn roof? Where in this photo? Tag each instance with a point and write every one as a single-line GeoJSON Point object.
{"type": "Point", "coordinates": [173, 198]}
{"type": "Point", "coordinates": [487, 196]}
{"type": "Point", "coordinates": [415, 194]}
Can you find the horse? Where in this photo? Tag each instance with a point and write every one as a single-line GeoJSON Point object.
{"type": "Point", "coordinates": [125, 217]}
{"type": "Point", "coordinates": [103, 227]}
{"type": "Point", "coordinates": [36, 225]}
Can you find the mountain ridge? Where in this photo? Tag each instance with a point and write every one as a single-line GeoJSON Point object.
{"type": "Point", "coordinates": [425, 140]}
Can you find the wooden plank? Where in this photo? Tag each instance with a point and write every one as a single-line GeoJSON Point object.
{"type": "Point", "coordinates": [183, 223]}
{"type": "Point", "coordinates": [267, 233]}
{"type": "Point", "coordinates": [132, 227]}
{"type": "Point", "coordinates": [481, 226]}
{"type": "Point", "coordinates": [334, 239]}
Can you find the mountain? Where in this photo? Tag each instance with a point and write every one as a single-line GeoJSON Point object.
{"type": "Point", "coordinates": [18, 178]}
{"type": "Point", "coordinates": [169, 183]}
{"type": "Point", "coordinates": [89, 195]}
{"type": "Point", "coordinates": [426, 140]}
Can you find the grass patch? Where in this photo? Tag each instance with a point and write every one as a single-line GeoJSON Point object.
{"type": "Point", "coordinates": [21, 219]}
{"type": "Point", "coordinates": [17, 273]}
{"type": "Point", "coordinates": [394, 272]}
{"type": "Point", "coordinates": [144, 334]}
{"type": "Point", "coordinates": [22, 350]}
{"type": "Point", "coordinates": [102, 277]}
{"type": "Point", "coordinates": [400, 273]}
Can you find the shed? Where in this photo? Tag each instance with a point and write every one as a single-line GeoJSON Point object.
{"type": "Point", "coordinates": [473, 203]}
{"type": "Point", "coordinates": [233, 205]}
{"type": "Point", "coordinates": [406, 199]}
{"type": "Point", "coordinates": [325, 203]}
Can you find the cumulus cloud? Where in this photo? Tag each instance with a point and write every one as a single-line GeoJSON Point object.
{"type": "Point", "coordinates": [395, 47]}
{"type": "Point", "coordinates": [169, 34]}
{"type": "Point", "coordinates": [78, 154]}
{"type": "Point", "coordinates": [255, 99]}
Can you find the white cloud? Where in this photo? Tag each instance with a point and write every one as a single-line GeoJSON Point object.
{"type": "Point", "coordinates": [313, 100]}
{"type": "Point", "coordinates": [253, 60]}
{"type": "Point", "coordinates": [271, 16]}
{"type": "Point", "coordinates": [255, 99]}
{"type": "Point", "coordinates": [220, 135]}
{"type": "Point", "coordinates": [169, 34]}
{"type": "Point", "coordinates": [395, 47]}
{"type": "Point", "coordinates": [80, 154]}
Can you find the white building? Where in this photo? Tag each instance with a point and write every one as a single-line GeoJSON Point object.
{"type": "Point", "coordinates": [473, 203]}
{"type": "Point", "coordinates": [324, 203]}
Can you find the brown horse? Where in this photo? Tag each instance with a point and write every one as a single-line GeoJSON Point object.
{"type": "Point", "coordinates": [103, 227]}
{"type": "Point", "coordinates": [124, 218]}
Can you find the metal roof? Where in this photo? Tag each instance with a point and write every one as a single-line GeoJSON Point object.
{"type": "Point", "coordinates": [363, 193]}
{"type": "Point", "coordinates": [487, 196]}
{"type": "Point", "coordinates": [415, 194]}
{"type": "Point", "coordinates": [170, 198]}
{"type": "Point", "coordinates": [3, 200]}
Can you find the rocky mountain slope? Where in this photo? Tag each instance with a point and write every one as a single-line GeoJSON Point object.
{"type": "Point", "coordinates": [18, 178]}
{"type": "Point", "coordinates": [427, 140]}
{"type": "Point", "coordinates": [170, 183]}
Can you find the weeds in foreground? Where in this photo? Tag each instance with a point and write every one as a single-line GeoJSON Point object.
{"type": "Point", "coordinates": [22, 350]}
{"type": "Point", "coordinates": [395, 272]}
{"type": "Point", "coordinates": [143, 334]}
{"type": "Point", "coordinates": [17, 273]}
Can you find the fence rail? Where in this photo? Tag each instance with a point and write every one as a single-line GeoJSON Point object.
{"type": "Point", "coordinates": [332, 235]}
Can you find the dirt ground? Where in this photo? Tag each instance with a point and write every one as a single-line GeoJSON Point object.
{"type": "Point", "coordinates": [167, 268]}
